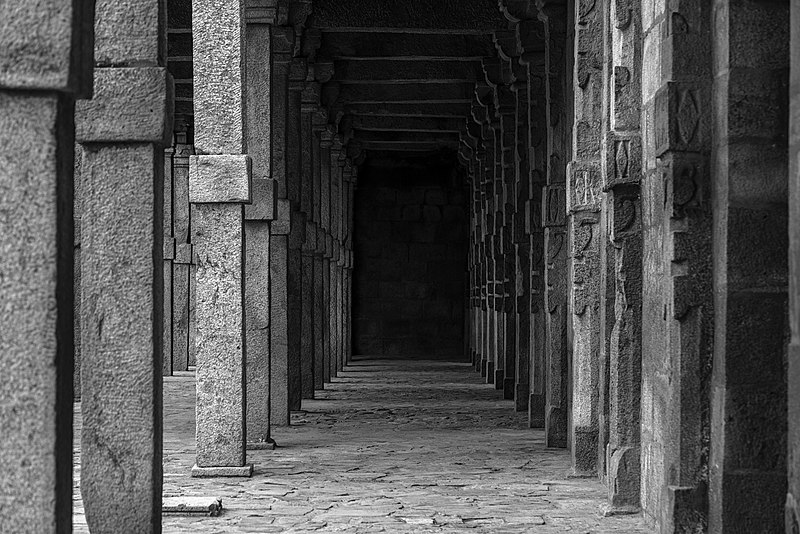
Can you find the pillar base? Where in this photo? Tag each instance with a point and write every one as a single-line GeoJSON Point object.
{"type": "Point", "coordinates": [521, 398]}
{"type": "Point", "coordinates": [268, 445]}
{"type": "Point", "coordinates": [608, 510]}
{"type": "Point", "coordinates": [509, 385]}
{"type": "Point", "coordinates": [208, 506]}
{"type": "Point", "coordinates": [213, 472]}
{"type": "Point", "coordinates": [536, 411]}
{"type": "Point", "coordinates": [499, 374]}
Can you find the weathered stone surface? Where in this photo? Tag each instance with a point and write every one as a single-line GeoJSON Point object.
{"type": "Point", "coordinates": [37, 147]}
{"type": "Point", "coordinates": [257, 329]}
{"type": "Point", "coordinates": [220, 179]}
{"type": "Point", "coordinates": [47, 46]}
{"type": "Point", "coordinates": [130, 33]}
{"type": "Point", "coordinates": [181, 280]}
{"type": "Point", "coordinates": [279, 331]}
{"type": "Point", "coordinates": [219, 103]}
{"type": "Point", "coordinates": [219, 244]}
{"type": "Point", "coordinates": [128, 105]}
{"type": "Point", "coordinates": [208, 506]}
{"type": "Point", "coordinates": [228, 471]}
{"type": "Point", "coordinates": [121, 308]}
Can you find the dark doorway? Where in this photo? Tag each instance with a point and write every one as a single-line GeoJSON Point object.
{"type": "Point", "coordinates": [410, 249]}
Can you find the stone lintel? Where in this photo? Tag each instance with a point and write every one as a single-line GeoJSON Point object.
{"type": "Point", "coordinates": [213, 472]}
{"type": "Point", "coordinates": [468, 16]}
{"type": "Point", "coordinates": [224, 178]}
{"type": "Point", "coordinates": [392, 92]}
{"type": "Point", "coordinates": [129, 105]}
{"type": "Point", "coordinates": [47, 47]}
{"type": "Point", "coordinates": [352, 45]}
{"type": "Point", "coordinates": [405, 70]}
{"type": "Point", "coordinates": [265, 202]}
{"type": "Point", "coordinates": [410, 109]}
{"type": "Point", "coordinates": [391, 122]}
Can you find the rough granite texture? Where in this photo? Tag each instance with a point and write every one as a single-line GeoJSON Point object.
{"type": "Point", "coordinates": [257, 329]}
{"type": "Point", "coordinates": [220, 179]}
{"type": "Point", "coordinates": [36, 148]}
{"type": "Point", "coordinates": [219, 242]}
{"type": "Point", "coordinates": [128, 105]}
{"type": "Point", "coordinates": [130, 33]}
{"type": "Point", "coordinates": [121, 269]}
{"type": "Point", "coordinates": [219, 92]}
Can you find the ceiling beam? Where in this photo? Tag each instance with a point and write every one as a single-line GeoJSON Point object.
{"type": "Point", "coordinates": [408, 124]}
{"type": "Point", "coordinates": [394, 92]}
{"type": "Point", "coordinates": [409, 109]}
{"type": "Point", "coordinates": [343, 45]}
{"type": "Point", "coordinates": [467, 16]}
{"type": "Point", "coordinates": [383, 70]}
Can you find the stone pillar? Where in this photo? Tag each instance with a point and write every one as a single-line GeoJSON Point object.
{"type": "Point", "coordinates": [622, 294]}
{"type": "Point", "coordinates": [298, 72]}
{"type": "Point", "coordinates": [284, 339]}
{"type": "Point", "coordinates": [219, 184]}
{"type": "Point", "coordinates": [320, 120]}
{"type": "Point", "coordinates": [310, 104]}
{"type": "Point", "coordinates": [183, 353]}
{"type": "Point", "coordinates": [747, 489]}
{"type": "Point", "coordinates": [584, 196]}
{"type": "Point", "coordinates": [531, 39]}
{"type": "Point", "coordinates": [326, 143]}
{"type": "Point", "coordinates": [37, 92]}
{"type": "Point", "coordinates": [335, 214]}
{"type": "Point", "coordinates": [258, 217]}
{"type": "Point", "coordinates": [77, 210]}
{"type": "Point", "coordinates": [169, 257]}
{"type": "Point", "coordinates": [558, 60]}
{"type": "Point", "coordinates": [792, 509]}
{"type": "Point", "coordinates": [677, 304]}
{"type": "Point", "coordinates": [123, 131]}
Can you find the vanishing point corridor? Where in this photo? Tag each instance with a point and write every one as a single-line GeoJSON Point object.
{"type": "Point", "coordinates": [395, 446]}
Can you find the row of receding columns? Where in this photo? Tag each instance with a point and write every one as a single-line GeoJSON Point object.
{"type": "Point", "coordinates": [639, 301]}
{"type": "Point", "coordinates": [134, 236]}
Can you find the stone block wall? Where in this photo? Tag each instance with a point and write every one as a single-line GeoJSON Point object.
{"type": "Point", "coordinates": [410, 248]}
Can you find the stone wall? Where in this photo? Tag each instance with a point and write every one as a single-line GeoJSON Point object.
{"type": "Point", "coordinates": [410, 248]}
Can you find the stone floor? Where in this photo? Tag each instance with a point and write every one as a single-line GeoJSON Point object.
{"type": "Point", "coordinates": [390, 446]}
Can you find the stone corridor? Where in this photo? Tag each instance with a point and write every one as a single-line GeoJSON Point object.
{"type": "Point", "coordinates": [395, 446]}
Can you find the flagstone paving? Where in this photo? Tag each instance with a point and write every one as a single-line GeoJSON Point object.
{"type": "Point", "coordinates": [389, 446]}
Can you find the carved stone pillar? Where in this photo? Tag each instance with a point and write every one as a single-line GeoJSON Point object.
{"type": "Point", "coordinates": [326, 142]}
{"type": "Point", "coordinates": [320, 120]}
{"type": "Point", "coordinates": [584, 200]}
{"type": "Point", "coordinates": [621, 293]}
{"type": "Point", "coordinates": [37, 134]}
{"type": "Point", "coordinates": [558, 77]}
{"type": "Point", "coordinates": [677, 303]}
{"type": "Point", "coordinates": [219, 184]}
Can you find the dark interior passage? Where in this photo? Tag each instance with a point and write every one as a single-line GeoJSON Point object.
{"type": "Point", "coordinates": [410, 250]}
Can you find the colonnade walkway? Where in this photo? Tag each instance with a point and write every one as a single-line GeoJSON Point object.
{"type": "Point", "coordinates": [390, 446]}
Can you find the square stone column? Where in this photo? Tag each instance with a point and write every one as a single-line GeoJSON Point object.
{"type": "Point", "coordinates": [621, 262]}
{"type": "Point", "coordinates": [169, 258]}
{"type": "Point", "coordinates": [751, 247]}
{"type": "Point", "coordinates": [182, 270]}
{"type": "Point", "coordinates": [558, 76]}
{"type": "Point", "coordinates": [587, 236]}
{"type": "Point", "coordinates": [320, 120]}
{"type": "Point", "coordinates": [258, 218]}
{"type": "Point", "coordinates": [677, 297]}
{"type": "Point", "coordinates": [220, 183]}
{"type": "Point", "coordinates": [123, 130]}
{"type": "Point", "coordinates": [792, 509]}
{"type": "Point", "coordinates": [37, 92]}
